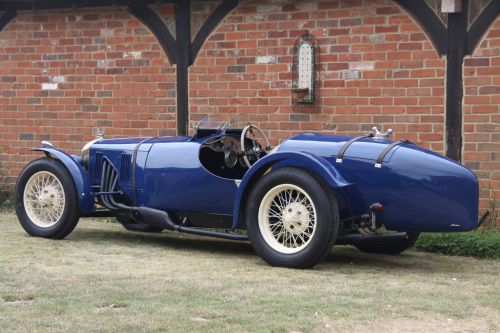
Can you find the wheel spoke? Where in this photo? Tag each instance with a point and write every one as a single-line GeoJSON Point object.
{"type": "Point", "coordinates": [44, 199]}
{"type": "Point", "coordinates": [289, 196]}
{"type": "Point", "coordinates": [287, 238]}
{"type": "Point", "coordinates": [287, 218]}
{"type": "Point", "coordinates": [275, 227]}
{"type": "Point", "coordinates": [282, 201]}
{"type": "Point", "coordinates": [274, 211]}
{"type": "Point", "coordinates": [302, 238]}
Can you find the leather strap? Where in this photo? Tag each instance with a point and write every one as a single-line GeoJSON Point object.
{"type": "Point", "coordinates": [340, 155]}
{"type": "Point", "coordinates": [383, 154]}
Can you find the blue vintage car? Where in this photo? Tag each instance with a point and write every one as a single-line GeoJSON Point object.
{"type": "Point", "coordinates": [295, 201]}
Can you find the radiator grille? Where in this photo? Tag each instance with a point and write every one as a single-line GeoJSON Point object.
{"type": "Point", "coordinates": [125, 167]}
{"type": "Point", "coordinates": [98, 165]}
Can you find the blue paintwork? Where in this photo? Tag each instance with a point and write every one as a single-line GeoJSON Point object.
{"type": "Point", "coordinates": [80, 178]}
{"type": "Point", "coordinates": [298, 159]}
{"type": "Point", "coordinates": [181, 183]}
{"type": "Point", "coordinates": [420, 190]}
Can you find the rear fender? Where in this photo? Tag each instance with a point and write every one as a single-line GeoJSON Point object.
{"type": "Point", "coordinates": [79, 175]}
{"type": "Point", "coordinates": [314, 164]}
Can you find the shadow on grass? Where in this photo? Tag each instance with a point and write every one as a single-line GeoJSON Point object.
{"type": "Point", "coordinates": [347, 256]}
{"type": "Point", "coordinates": [164, 239]}
{"type": "Point", "coordinates": [340, 257]}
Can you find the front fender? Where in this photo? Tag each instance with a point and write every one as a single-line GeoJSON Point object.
{"type": "Point", "coordinates": [303, 160]}
{"type": "Point", "coordinates": [79, 175]}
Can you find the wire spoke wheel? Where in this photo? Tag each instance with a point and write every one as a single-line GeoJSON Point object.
{"type": "Point", "coordinates": [44, 199]}
{"type": "Point", "coordinates": [287, 218]}
{"type": "Point", "coordinates": [291, 218]}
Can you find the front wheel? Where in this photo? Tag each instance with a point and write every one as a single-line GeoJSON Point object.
{"type": "Point", "coordinates": [291, 219]}
{"type": "Point", "coordinates": [387, 246]}
{"type": "Point", "coordinates": [46, 200]}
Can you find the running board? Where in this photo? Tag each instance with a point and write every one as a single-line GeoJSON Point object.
{"type": "Point", "coordinates": [359, 238]}
{"type": "Point", "coordinates": [161, 219]}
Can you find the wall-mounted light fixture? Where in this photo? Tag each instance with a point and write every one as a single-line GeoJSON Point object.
{"type": "Point", "coordinates": [451, 6]}
{"type": "Point", "coordinates": [304, 69]}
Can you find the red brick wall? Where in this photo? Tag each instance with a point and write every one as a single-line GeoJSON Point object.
{"type": "Point", "coordinates": [482, 115]}
{"type": "Point", "coordinates": [376, 67]}
{"type": "Point", "coordinates": [63, 74]}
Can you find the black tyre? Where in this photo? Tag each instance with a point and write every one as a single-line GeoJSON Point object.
{"type": "Point", "coordinates": [131, 225]}
{"type": "Point", "coordinates": [387, 246]}
{"type": "Point", "coordinates": [291, 219]}
{"type": "Point", "coordinates": [46, 199]}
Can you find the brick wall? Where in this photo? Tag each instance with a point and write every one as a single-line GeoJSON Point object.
{"type": "Point", "coordinates": [376, 67]}
{"type": "Point", "coordinates": [482, 114]}
{"type": "Point", "coordinates": [64, 74]}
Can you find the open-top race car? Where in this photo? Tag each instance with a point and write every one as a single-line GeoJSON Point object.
{"type": "Point", "coordinates": [295, 201]}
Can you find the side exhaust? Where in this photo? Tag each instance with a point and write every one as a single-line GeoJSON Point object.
{"type": "Point", "coordinates": [161, 219]}
{"type": "Point", "coordinates": [359, 238]}
{"type": "Point", "coordinates": [146, 215]}
{"type": "Point", "coordinates": [154, 217]}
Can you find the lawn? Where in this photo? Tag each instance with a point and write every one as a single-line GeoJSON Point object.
{"type": "Point", "coordinates": [103, 278]}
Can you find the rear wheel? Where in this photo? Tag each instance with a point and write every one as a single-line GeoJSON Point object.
{"type": "Point", "coordinates": [292, 221]}
{"type": "Point", "coordinates": [387, 246]}
{"type": "Point", "coordinates": [46, 200]}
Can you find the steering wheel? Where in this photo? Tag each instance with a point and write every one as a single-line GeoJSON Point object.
{"type": "Point", "coordinates": [257, 149]}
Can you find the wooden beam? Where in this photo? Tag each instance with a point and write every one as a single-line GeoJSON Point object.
{"type": "Point", "coordinates": [457, 36]}
{"type": "Point", "coordinates": [150, 19]}
{"type": "Point", "coordinates": [210, 24]}
{"type": "Point", "coordinates": [429, 21]}
{"type": "Point", "coordinates": [60, 4]}
{"type": "Point", "coordinates": [481, 24]}
{"type": "Point", "coordinates": [183, 37]}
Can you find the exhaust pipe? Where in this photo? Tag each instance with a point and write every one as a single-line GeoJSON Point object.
{"type": "Point", "coordinates": [154, 217]}
{"type": "Point", "coordinates": [161, 219]}
{"type": "Point", "coordinates": [360, 238]}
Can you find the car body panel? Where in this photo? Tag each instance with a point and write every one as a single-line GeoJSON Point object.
{"type": "Point", "coordinates": [298, 159]}
{"type": "Point", "coordinates": [182, 183]}
{"type": "Point", "coordinates": [420, 190]}
{"type": "Point", "coordinates": [79, 175]}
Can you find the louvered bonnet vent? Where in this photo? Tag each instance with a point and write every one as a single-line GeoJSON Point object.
{"type": "Point", "coordinates": [125, 167]}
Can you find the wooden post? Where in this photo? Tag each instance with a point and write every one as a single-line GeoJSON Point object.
{"type": "Point", "coordinates": [457, 47]}
{"type": "Point", "coordinates": [183, 38]}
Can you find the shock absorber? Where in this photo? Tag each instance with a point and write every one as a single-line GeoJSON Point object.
{"type": "Point", "coordinates": [376, 208]}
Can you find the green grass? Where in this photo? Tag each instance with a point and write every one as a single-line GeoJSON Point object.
{"type": "Point", "coordinates": [481, 244]}
{"type": "Point", "coordinates": [105, 279]}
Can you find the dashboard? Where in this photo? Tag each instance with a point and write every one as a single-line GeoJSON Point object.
{"type": "Point", "coordinates": [230, 147]}
{"type": "Point", "coordinates": [223, 156]}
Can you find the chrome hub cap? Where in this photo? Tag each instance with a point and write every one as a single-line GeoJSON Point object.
{"type": "Point", "coordinates": [287, 218]}
{"type": "Point", "coordinates": [44, 199]}
{"type": "Point", "coordinates": [295, 218]}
